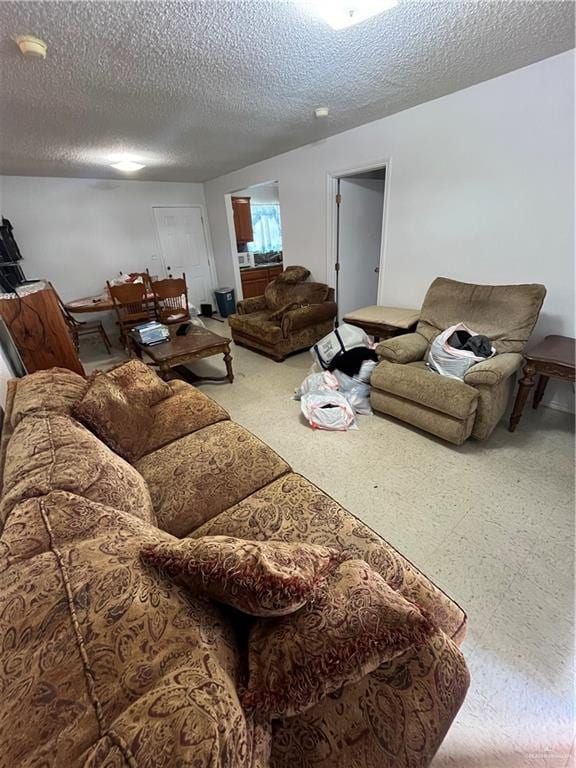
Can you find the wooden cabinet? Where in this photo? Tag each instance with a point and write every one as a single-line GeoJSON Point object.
{"type": "Point", "coordinates": [39, 331]}
{"type": "Point", "coordinates": [254, 281]}
{"type": "Point", "coordinates": [242, 219]}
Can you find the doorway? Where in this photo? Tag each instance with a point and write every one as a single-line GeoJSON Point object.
{"type": "Point", "coordinates": [184, 249]}
{"type": "Point", "coordinates": [359, 205]}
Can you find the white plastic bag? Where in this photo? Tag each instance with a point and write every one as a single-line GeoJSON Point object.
{"type": "Point", "coordinates": [449, 361]}
{"type": "Point", "coordinates": [356, 392]}
{"type": "Point", "coordinates": [328, 410]}
{"type": "Point", "coordinates": [341, 339]}
{"type": "Point", "coordinates": [317, 382]}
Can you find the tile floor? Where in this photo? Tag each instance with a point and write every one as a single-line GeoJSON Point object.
{"type": "Point", "coordinates": [492, 523]}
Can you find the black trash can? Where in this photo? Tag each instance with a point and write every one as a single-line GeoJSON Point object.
{"type": "Point", "coordinates": [225, 301]}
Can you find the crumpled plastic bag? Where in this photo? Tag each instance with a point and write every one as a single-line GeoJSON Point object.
{"type": "Point", "coordinates": [317, 382]}
{"type": "Point", "coordinates": [356, 392]}
{"type": "Point", "coordinates": [328, 410]}
{"type": "Point", "coordinates": [449, 361]}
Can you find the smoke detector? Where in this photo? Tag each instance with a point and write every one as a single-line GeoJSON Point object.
{"type": "Point", "coordinates": [31, 46]}
{"type": "Point", "coordinates": [321, 112]}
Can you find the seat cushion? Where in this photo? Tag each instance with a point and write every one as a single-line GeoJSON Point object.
{"type": "Point", "coordinates": [417, 383]}
{"type": "Point", "coordinates": [56, 389]}
{"type": "Point", "coordinates": [139, 382]}
{"type": "Point", "coordinates": [293, 509]}
{"type": "Point", "coordinates": [258, 325]}
{"type": "Point", "coordinates": [120, 420]}
{"type": "Point", "coordinates": [202, 474]}
{"type": "Point", "coordinates": [105, 662]}
{"type": "Point", "coordinates": [186, 411]}
{"type": "Point", "coordinates": [50, 451]}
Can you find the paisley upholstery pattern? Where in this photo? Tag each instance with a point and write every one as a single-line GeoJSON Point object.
{"type": "Point", "coordinates": [355, 623]}
{"type": "Point", "coordinates": [293, 274]}
{"type": "Point", "coordinates": [204, 473]}
{"type": "Point", "coordinates": [56, 389]}
{"type": "Point", "coordinates": [186, 411]}
{"type": "Point", "coordinates": [266, 578]}
{"type": "Point", "coordinates": [121, 421]}
{"type": "Point", "coordinates": [111, 663]}
{"type": "Point", "coordinates": [395, 717]}
{"type": "Point", "coordinates": [139, 382]}
{"type": "Point", "coordinates": [49, 451]}
{"type": "Point", "coordinates": [293, 509]}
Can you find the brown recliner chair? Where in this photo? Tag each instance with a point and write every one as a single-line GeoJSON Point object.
{"type": "Point", "coordinates": [291, 315]}
{"type": "Point", "coordinates": [404, 387]}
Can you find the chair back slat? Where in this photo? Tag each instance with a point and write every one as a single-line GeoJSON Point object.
{"type": "Point", "coordinates": [171, 299]}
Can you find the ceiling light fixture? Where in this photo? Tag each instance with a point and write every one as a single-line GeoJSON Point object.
{"type": "Point", "coordinates": [340, 14]}
{"type": "Point", "coordinates": [30, 46]}
{"type": "Point", "coordinates": [321, 112]}
{"type": "Point", "coordinates": [128, 166]}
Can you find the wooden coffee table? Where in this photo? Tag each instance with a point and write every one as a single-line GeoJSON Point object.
{"type": "Point", "coordinates": [554, 356]}
{"type": "Point", "coordinates": [171, 356]}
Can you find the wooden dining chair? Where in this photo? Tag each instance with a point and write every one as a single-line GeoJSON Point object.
{"type": "Point", "coordinates": [171, 300]}
{"type": "Point", "coordinates": [79, 328]}
{"type": "Point", "coordinates": [132, 305]}
{"type": "Point", "coordinates": [145, 277]}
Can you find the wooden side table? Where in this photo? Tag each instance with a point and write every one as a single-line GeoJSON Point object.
{"type": "Point", "coordinates": [384, 322]}
{"type": "Point", "coordinates": [552, 357]}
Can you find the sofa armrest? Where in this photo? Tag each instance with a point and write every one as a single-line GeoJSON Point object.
{"type": "Point", "coordinates": [493, 371]}
{"type": "Point", "coordinates": [407, 348]}
{"type": "Point", "coordinates": [395, 717]}
{"type": "Point", "coordinates": [312, 314]}
{"type": "Point", "coordinates": [255, 304]}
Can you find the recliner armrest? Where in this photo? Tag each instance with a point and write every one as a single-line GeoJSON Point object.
{"type": "Point", "coordinates": [407, 348]}
{"type": "Point", "coordinates": [296, 319]}
{"type": "Point", "coordinates": [494, 370]}
{"type": "Point", "coordinates": [255, 304]}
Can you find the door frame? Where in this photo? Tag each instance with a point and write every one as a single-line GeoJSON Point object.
{"type": "Point", "coordinates": [331, 190]}
{"type": "Point", "coordinates": [207, 240]}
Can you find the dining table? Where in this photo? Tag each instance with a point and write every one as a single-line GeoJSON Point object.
{"type": "Point", "coordinates": [100, 303]}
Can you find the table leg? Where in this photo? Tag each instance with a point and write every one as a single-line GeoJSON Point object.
{"type": "Point", "coordinates": [165, 371]}
{"type": "Point", "coordinates": [540, 389]}
{"type": "Point", "coordinates": [228, 361]}
{"type": "Point", "coordinates": [524, 386]}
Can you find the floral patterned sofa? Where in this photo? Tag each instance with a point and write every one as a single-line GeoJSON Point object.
{"type": "Point", "coordinates": [106, 663]}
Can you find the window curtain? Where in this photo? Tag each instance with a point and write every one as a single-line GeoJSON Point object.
{"type": "Point", "coordinates": [266, 227]}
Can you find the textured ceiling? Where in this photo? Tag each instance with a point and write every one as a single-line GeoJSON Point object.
{"type": "Point", "coordinates": [197, 89]}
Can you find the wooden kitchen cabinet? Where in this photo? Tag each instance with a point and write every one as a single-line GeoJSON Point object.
{"type": "Point", "coordinates": [254, 281]}
{"type": "Point", "coordinates": [242, 219]}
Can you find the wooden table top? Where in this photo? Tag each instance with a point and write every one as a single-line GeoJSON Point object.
{"type": "Point", "coordinates": [196, 340]}
{"type": "Point", "coordinates": [101, 303]}
{"type": "Point", "coordinates": [553, 349]}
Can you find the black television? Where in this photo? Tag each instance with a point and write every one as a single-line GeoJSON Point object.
{"type": "Point", "coordinates": [11, 274]}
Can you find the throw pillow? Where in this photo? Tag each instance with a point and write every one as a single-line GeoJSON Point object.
{"type": "Point", "coordinates": [262, 578]}
{"type": "Point", "coordinates": [356, 623]}
{"type": "Point", "coordinates": [138, 381]}
{"type": "Point", "coordinates": [293, 275]}
{"type": "Point", "coordinates": [121, 423]}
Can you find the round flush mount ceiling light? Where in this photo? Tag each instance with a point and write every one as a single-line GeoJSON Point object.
{"type": "Point", "coordinates": [127, 166]}
{"type": "Point", "coordinates": [321, 112]}
{"type": "Point", "coordinates": [30, 46]}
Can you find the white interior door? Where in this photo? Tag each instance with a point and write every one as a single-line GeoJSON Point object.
{"type": "Point", "coordinates": [360, 238]}
{"type": "Point", "coordinates": [184, 249]}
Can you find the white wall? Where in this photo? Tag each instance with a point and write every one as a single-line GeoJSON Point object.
{"type": "Point", "coordinates": [481, 189]}
{"type": "Point", "coordinates": [80, 232]}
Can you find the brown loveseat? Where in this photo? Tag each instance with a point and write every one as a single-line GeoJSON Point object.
{"type": "Point", "coordinates": [404, 387]}
{"type": "Point", "coordinates": [105, 662]}
{"type": "Point", "coordinates": [291, 315]}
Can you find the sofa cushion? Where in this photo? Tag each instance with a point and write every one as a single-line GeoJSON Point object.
{"type": "Point", "coordinates": [55, 389]}
{"type": "Point", "coordinates": [418, 384]}
{"type": "Point", "coordinates": [293, 274]}
{"type": "Point", "coordinates": [200, 475]}
{"type": "Point", "coordinates": [278, 294]}
{"type": "Point", "coordinates": [103, 661]}
{"type": "Point", "coordinates": [50, 451]}
{"type": "Point", "coordinates": [186, 411]}
{"type": "Point", "coordinates": [269, 578]}
{"type": "Point", "coordinates": [139, 382]}
{"type": "Point", "coordinates": [355, 623]}
{"type": "Point", "coordinates": [259, 325]}
{"type": "Point", "coordinates": [121, 421]}
{"type": "Point", "coordinates": [505, 313]}
{"type": "Point", "coordinates": [293, 509]}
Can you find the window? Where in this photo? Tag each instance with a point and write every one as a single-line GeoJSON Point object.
{"type": "Point", "coordinates": [266, 228]}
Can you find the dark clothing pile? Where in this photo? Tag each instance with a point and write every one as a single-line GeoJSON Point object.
{"type": "Point", "coordinates": [479, 345]}
{"type": "Point", "coordinates": [350, 362]}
